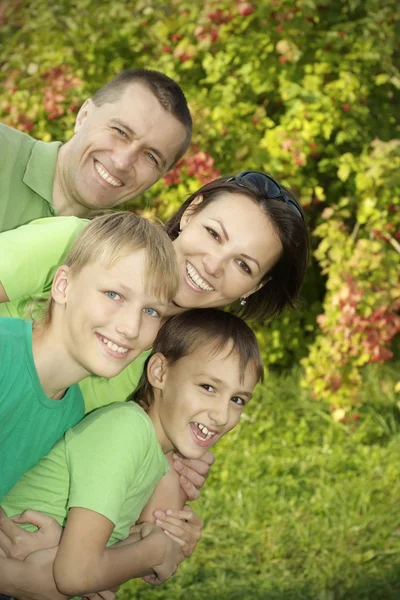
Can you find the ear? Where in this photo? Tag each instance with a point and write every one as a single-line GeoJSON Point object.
{"type": "Point", "coordinates": [84, 111]}
{"type": "Point", "coordinates": [60, 284]}
{"type": "Point", "coordinates": [156, 370]}
{"type": "Point", "coordinates": [190, 211]}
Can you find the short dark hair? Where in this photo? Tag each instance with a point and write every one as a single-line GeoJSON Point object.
{"type": "Point", "coordinates": [283, 281]}
{"type": "Point", "coordinates": [185, 332]}
{"type": "Point", "coordinates": [166, 90]}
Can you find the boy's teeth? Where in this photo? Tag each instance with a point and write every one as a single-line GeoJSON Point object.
{"type": "Point", "coordinates": [114, 347]}
{"type": "Point", "coordinates": [204, 430]}
{"type": "Point", "coordinates": [197, 280]}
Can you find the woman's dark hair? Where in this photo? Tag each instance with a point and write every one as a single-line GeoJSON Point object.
{"type": "Point", "coordinates": [185, 332]}
{"type": "Point", "coordinates": [284, 280]}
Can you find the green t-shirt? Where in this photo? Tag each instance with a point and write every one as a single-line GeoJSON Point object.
{"type": "Point", "coordinates": [34, 251]}
{"type": "Point", "coordinates": [109, 463]}
{"type": "Point", "coordinates": [27, 170]}
{"type": "Point", "coordinates": [30, 422]}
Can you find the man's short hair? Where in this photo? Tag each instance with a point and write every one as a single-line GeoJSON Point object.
{"type": "Point", "coordinates": [165, 89]}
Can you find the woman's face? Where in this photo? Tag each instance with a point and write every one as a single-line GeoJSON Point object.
{"type": "Point", "coordinates": [223, 250]}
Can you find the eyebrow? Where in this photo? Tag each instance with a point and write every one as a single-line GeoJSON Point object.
{"type": "Point", "coordinates": [124, 125]}
{"type": "Point", "coordinates": [227, 239]}
{"type": "Point", "coordinates": [214, 379]}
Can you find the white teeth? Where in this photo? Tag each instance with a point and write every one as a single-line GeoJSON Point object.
{"type": "Point", "coordinates": [106, 175]}
{"type": "Point", "coordinates": [204, 430]}
{"type": "Point", "coordinates": [197, 280]}
{"type": "Point", "coordinates": [114, 347]}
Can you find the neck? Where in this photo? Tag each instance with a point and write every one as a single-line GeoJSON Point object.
{"type": "Point", "coordinates": [154, 415]}
{"type": "Point", "coordinates": [56, 368]}
{"type": "Point", "coordinates": [64, 203]}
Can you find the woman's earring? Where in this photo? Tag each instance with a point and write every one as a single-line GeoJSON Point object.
{"type": "Point", "coordinates": [243, 301]}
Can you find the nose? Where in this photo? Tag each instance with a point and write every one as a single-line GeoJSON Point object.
{"type": "Point", "coordinates": [219, 413]}
{"type": "Point", "coordinates": [129, 324]}
{"type": "Point", "coordinates": [124, 159]}
{"type": "Point", "coordinates": [213, 265]}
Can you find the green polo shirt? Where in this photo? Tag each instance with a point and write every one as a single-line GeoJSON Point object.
{"type": "Point", "coordinates": [27, 170]}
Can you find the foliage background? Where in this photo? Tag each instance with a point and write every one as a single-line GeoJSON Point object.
{"type": "Point", "coordinates": [308, 91]}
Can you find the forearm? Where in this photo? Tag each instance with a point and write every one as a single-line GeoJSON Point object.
{"type": "Point", "coordinates": [168, 493]}
{"type": "Point", "coordinates": [114, 566]}
{"type": "Point", "coordinates": [23, 580]}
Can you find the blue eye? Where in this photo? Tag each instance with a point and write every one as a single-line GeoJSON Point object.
{"type": "Point", "coordinates": [120, 132]}
{"type": "Point", "coordinates": [113, 295]}
{"type": "Point", "coordinates": [152, 312]}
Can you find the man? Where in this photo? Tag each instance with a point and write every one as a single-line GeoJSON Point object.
{"type": "Point", "coordinates": [126, 138]}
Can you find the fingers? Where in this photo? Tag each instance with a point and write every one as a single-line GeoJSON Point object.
{"type": "Point", "coordinates": [35, 518]}
{"type": "Point", "coordinates": [193, 473]}
{"type": "Point", "coordinates": [183, 526]}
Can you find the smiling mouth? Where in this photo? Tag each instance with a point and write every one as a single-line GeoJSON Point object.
{"type": "Point", "coordinates": [202, 432]}
{"type": "Point", "coordinates": [106, 176]}
{"type": "Point", "coordinates": [121, 350]}
{"type": "Point", "coordinates": [195, 278]}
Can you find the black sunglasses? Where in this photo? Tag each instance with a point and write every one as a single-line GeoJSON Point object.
{"type": "Point", "coordinates": [264, 185]}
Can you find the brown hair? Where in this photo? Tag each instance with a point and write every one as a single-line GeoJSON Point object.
{"type": "Point", "coordinates": [185, 332]}
{"type": "Point", "coordinates": [168, 93]}
{"type": "Point", "coordinates": [112, 236]}
{"type": "Point", "coordinates": [283, 282]}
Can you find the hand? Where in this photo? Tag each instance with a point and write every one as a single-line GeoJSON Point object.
{"type": "Point", "coordinates": [108, 595]}
{"type": "Point", "coordinates": [17, 543]}
{"type": "Point", "coordinates": [193, 473]}
{"type": "Point", "coordinates": [183, 526]}
{"type": "Point", "coordinates": [41, 580]}
{"type": "Point", "coordinates": [165, 570]}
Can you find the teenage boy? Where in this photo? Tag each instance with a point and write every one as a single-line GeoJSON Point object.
{"type": "Point", "coordinates": [125, 139]}
{"type": "Point", "coordinates": [202, 372]}
{"type": "Point", "coordinates": [106, 305]}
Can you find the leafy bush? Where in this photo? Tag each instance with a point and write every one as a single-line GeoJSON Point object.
{"type": "Point", "coordinates": [307, 90]}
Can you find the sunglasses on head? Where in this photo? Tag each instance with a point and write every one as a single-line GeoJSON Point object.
{"type": "Point", "coordinates": [266, 186]}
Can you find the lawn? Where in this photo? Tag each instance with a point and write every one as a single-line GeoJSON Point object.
{"type": "Point", "coordinates": [297, 506]}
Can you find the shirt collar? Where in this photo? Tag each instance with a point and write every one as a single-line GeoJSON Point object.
{"type": "Point", "coordinates": [41, 169]}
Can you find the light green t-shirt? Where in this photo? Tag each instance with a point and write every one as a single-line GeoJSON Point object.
{"type": "Point", "coordinates": [27, 170]}
{"type": "Point", "coordinates": [109, 463]}
{"type": "Point", "coordinates": [30, 422]}
{"type": "Point", "coordinates": [34, 251]}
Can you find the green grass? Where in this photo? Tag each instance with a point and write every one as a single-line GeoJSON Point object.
{"type": "Point", "coordinates": [298, 507]}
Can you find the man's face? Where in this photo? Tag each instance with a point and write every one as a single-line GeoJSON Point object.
{"type": "Point", "coordinates": [108, 316]}
{"type": "Point", "coordinates": [119, 149]}
{"type": "Point", "coordinates": [202, 396]}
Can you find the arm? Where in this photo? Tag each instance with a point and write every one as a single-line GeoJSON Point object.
{"type": "Point", "coordinates": [33, 252]}
{"type": "Point", "coordinates": [83, 564]}
{"type": "Point", "coordinates": [32, 579]}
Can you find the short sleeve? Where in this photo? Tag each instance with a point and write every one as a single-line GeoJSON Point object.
{"type": "Point", "coordinates": [104, 458]}
{"type": "Point", "coordinates": [30, 254]}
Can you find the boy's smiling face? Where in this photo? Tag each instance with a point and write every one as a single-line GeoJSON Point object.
{"type": "Point", "coordinates": [108, 317]}
{"type": "Point", "coordinates": [201, 397]}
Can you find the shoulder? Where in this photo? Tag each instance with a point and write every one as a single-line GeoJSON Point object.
{"type": "Point", "coordinates": [117, 421]}
{"type": "Point", "coordinates": [57, 226]}
{"type": "Point", "coordinates": [14, 328]}
{"type": "Point", "coordinates": [13, 142]}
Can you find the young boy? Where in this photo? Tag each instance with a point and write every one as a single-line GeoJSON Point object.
{"type": "Point", "coordinates": [105, 309]}
{"type": "Point", "coordinates": [202, 372]}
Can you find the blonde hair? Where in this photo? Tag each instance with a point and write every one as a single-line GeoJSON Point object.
{"type": "Point", "coordinates": [112, 236]}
